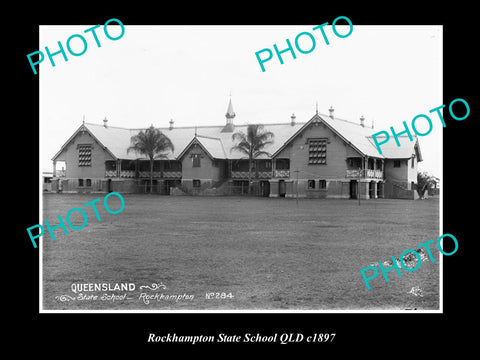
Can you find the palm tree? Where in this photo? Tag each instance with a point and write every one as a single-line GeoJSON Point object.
{"type": "Point", "coordinates": [153, 144]}
{"type": "Point", "coordinates": [424, 182]}
{"type": "Point", "coordinates": [252, 144]}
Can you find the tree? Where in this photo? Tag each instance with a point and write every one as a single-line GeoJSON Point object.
{"type": "Point", "coordinates": [252, 144]}
{"type": "Point", "coordinates": [424, 182]}
{"type": "Point", "coordinates": [153, 144]}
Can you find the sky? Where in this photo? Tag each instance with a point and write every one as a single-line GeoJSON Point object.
{"type": "Point", "coordinates": [388, 74]}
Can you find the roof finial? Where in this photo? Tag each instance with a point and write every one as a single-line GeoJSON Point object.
{"type": "Point", "coordinates": [316, 108]}
{"type": "Point", "coordinates": [83, 121]}
{"type": "Point", "coordinates": [195, 130]}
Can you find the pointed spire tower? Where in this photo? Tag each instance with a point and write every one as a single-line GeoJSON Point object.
{"type": "Point", "coordinates": [230, 115]}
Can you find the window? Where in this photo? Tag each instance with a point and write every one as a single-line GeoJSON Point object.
{"type": "Point", "coordinates": [354, 163]}
{"type": "Point", "coordinates": [84, 155]}
{"type": "Point", "coordinates": [80, 182]}
{"type": "Point", "coordinates": [88, 182]}
{"type": "Point", "coordinates": [322, 184]}
{"type": "Point", "coordinates": [311, 184]}
{"type": "Point", "coordinates": [413, 161]}
{"type": "Point", "coordinates": [282, 164]}
{"type": "Point", "coordinates": [196, 160]}
{"type": "Point", "coordinates": [396, 163]}
{"type": "Point", "coordinates": [317, 151]}
{"type": "Point", "coordinates": [111, 165]}
{"type": "Point", "coordinates": [196, 183]}
{"type": "Point", "coordinates": [371, 163]}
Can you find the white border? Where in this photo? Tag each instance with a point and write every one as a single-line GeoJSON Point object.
{"type": "Point", "coordinates": [153, 311]}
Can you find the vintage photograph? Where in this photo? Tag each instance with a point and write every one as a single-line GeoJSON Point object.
{"type": "Point", "coordinates": [240, 168]}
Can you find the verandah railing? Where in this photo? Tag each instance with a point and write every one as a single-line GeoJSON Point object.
{"type": "Point", "coordinates": [261, 174]}
{"type": "Point", "coordinates": [144, 174]}
{"type": "Point", "coordinates": [364, 173]}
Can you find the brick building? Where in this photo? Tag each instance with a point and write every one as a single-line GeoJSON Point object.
{"type": "Point", "coordinates": [324, 157]}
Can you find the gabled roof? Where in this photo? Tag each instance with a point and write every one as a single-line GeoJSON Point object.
{"type": "Point", "coordinates": [117, 140]}
{"type": "Point", "coordinates": [213, 140]}
{"type": "Point", "coordinates": [218, 144]}
{"type": "Point", "coordinates": [83, 127]}
{"type": "Point", "coordinates": [212, 146]}
{"type": "Point", "coordinates": [360, 138]}
{"type": "Point", "coordinates": [390, 150]}
{"type": "Point", "coordinates": [354, 133]}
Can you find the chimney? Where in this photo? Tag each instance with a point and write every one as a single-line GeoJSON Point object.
{"type": "Point", "coordinates": [293, 117]}
{"type": "Point", "coordinates": [105, 121]}
{"type": "Point", "coordinates": [171, 124]}
{"type": "Point", "coordinates": [362, 121]}
{"type": "Point", "coordinates": [331, 111]}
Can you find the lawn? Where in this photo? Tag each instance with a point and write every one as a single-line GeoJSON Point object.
{"type": "Point", "coordinates": [265, 253]}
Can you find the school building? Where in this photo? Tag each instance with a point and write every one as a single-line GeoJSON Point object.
{"type": "Point", "coordinates": [324, 157]}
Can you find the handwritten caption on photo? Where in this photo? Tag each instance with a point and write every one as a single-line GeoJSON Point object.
{"type": "Point", "coordinates": [395, 261]}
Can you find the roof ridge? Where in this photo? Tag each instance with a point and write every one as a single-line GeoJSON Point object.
{"type": "Point", "coordinates": [101, 125]}
{"type": "Point", "coordinates": [371, 136]}
{"type": "Point", "coordinates": [209, 137]}
{"type": "Point", "coordinates": [347, 121]}
{"type": "Point", "coordinates": [193, 126]}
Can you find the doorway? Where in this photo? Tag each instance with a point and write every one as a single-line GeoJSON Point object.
{"type": "Point", "coordinates": [154, 186]}
{"type": "Point", "coordinates": [282, 188]}
{"type": "Point", "coordinates": [265, 188]}
{"type": "Point", "coordinates": [353, 189]}
{"type": "Point", "coordinates": [168, 184]}
{"type": "Point", "coordinates": [371, 190]}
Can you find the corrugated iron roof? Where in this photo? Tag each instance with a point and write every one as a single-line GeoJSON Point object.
{"type": "Point", "coordinates": [218, 143]}
{"type": "Point", "coordinates": [361, 138]}
{"type": "Point", "coordinates": [390, 150]}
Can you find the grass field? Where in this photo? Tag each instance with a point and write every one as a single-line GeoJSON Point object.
{"type": "Point", "coordinates": [268, 253]}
